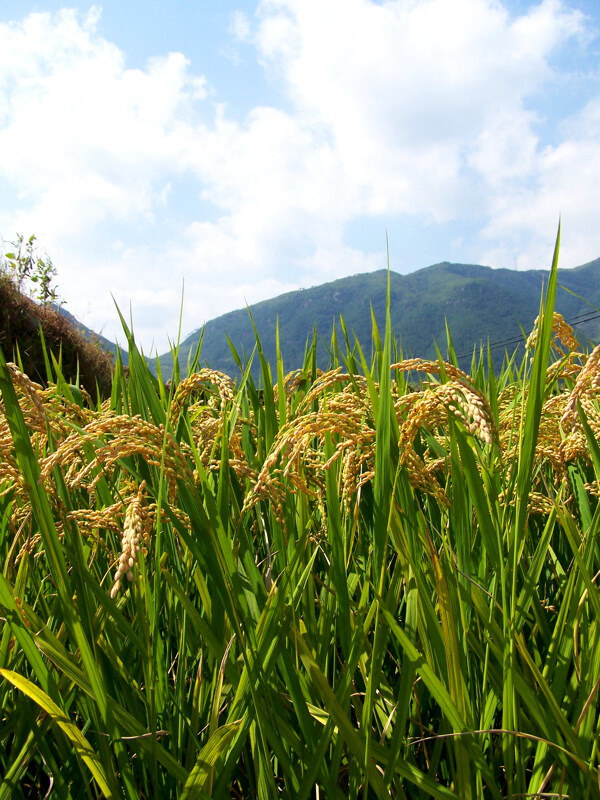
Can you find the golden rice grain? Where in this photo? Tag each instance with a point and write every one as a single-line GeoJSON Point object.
{"type": "Point", "coordinates": [563, 338]}
{"type": "Point", "coordinates": [329, 425]}
{"type": "Point", "coordinates": [587, 383]}
{"type": "Point", "coordinates": [205, 379]}
{"type": "Point", "coordinates": [131, 540]}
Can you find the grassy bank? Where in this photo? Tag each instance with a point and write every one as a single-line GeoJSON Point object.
{"type": "Point", "coordinates": [370, 582]}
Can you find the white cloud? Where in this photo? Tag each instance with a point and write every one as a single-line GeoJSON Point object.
{"type": "Point", "coordinates": [432, 106]}
{"type": "Point", "coordinates": [567, 184]}
{"type": "Point", "coordinates": [413, 93]}
{"type": "Point", "coordinates": [417, 108]}
{"type": "Point", "coordinates": [84, 138]}
{"type": "Point", "coordinates": [240, 26]}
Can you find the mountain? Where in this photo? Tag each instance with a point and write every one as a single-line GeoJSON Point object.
{"type": "Point", "coordinates": [92, 336]}
{"type": "Point", "coordinates": [479, 303]}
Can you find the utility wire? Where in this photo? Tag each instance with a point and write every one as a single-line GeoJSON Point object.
{"type": "Point", "coordinates": [579, 319]}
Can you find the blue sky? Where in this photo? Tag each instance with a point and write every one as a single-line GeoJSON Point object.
{"type": "Point", "coordinates": [241, 149]}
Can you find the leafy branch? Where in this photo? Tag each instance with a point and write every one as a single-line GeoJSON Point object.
{"type": "Point", "coordinates": [24, 265]}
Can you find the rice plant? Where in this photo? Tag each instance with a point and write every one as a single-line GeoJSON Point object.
{"type": "Point", "coordinates": [375, 581]}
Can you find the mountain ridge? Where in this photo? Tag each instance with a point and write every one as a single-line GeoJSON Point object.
{"type": "Point", "coordinates": [480, 304]}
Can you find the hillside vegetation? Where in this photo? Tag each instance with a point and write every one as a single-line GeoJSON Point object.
{"type": "Point", "coordinates": [479, 304]}
{"type": "Point", "coordinates": [339, 586]}
{"type": "Point", "coordinates": [83, 360]}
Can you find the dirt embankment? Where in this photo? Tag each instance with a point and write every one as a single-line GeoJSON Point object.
{"type": "Point", "coordinates": [20, 322]}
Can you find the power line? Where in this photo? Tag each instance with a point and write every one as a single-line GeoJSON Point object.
{"type": "Point", "coordinates": [579, 319]}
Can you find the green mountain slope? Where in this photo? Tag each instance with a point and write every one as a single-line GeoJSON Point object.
{"type": "Point", "coordinates": [479, 304]}
{"type": "Point", "coordinates": [94, 337]}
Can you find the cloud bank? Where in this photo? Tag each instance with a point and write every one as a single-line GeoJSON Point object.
{"type": "Point", "coordinates": [429, 113]}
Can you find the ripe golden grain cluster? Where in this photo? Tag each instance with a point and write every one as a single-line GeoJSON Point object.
{"type": "Point", "coordinates": [329, 424]}
{"type": "Point", "coordinates": [131, 538]}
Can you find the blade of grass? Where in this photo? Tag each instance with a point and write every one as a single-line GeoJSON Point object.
{"type": "Point", "coordinates": [79, 742]}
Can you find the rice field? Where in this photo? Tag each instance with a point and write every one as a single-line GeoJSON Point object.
{"type": "Point", "coordinates": [378, 581]}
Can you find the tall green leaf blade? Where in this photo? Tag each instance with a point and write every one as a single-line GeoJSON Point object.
{"type": "Point", "coordinates": [80, 743]}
